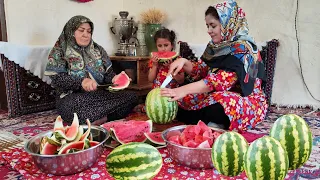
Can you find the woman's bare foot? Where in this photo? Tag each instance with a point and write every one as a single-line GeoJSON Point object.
{"type": "Point", "coordinates": [100, 121]}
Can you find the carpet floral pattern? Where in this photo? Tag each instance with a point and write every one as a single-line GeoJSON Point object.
{"type": "Point", "coordinates": [30, 125]}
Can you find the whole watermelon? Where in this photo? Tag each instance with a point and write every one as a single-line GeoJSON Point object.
{"type": "Point", "coordinates": [228, 153]}
{"type": "Point", "coordinates": [266, 159]}
{"type": "Point", "coordinates": [296, 138]}
{"type": "Point", "coordinates": [134, 161]}
{"type": "Point", "coordinates": [159, 109]}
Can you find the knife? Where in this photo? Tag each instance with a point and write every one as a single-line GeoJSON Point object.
{"type": "Point", "coordinates": [166, 81]}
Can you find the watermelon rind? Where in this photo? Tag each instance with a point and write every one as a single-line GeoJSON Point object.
{"type": "Point", "coordinates": [53, 140]}
{"type": "Point", "coordinates": [76, 145]}
{"type": "Point", "coordinates": [134, 161]}
{"type": "Point", "coordinates": [114, 135]}
{"type": "Point", "coordinates": [228, 153]}
{"type": "Point", "coordinates": [295, 136]}
{"type": "Point", "coordinates": [72, 132]}
{"type": "Point", "coordinates": [79, 135]}
{"type": "Point", "coordinates": [153, 141]}
{"type": "Point", "coordinates": [58, 124]}
{"type": "Point", "coordinates": [159, 109]}
{"type": "Point", "coordinates": [266, 159]}
{"type": "Point", "coordinates": [87, 133]}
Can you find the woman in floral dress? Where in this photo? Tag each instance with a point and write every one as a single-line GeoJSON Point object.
{"type": "Point", "coordinates": [76, 66]}
{"type": "Point", "coordinates": [228, 77]}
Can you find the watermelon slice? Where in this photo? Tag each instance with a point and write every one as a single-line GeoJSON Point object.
{"type": "Point", "coordinates": [72, 132]}
{"type": "Point", "coordinates": [122, 81]}
{"type": "Point", "coordinates": [165, 56]}
{"type": "Point", "coordinates": [129, 131]}
{"type": "Point", "coordinates": [58, 125]}
{"type": "Point", "coordinates": [49, 149]}
{"type": "Point", "coordinates": [155, 138]}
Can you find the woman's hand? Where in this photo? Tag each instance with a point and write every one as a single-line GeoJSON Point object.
{"type": "Point", "coordinates": [175, 94]}
{"type": "Point", "coordinates": [89, 85]}
{"type": "Point", "coordinates": [167, 63]}
{"type": "Point", "coordinates": [176, 66]}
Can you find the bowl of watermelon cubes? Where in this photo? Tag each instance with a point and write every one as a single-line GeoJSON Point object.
{"type": "Point", "coordinates": [190, 145]}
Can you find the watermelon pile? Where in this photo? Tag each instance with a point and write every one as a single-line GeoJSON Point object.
{"type": "Point", "coordinates": [194, 136]}
{"type": "Point", "coordinates": [65, 139]}
{"type": "Point", "coordinates": [159, 109]}
{"type": "Point", "coordinates": [123, 132]}
{"type": "Point", "coordinates": [134, 161]}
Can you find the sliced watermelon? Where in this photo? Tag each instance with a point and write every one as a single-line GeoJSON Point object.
{"type": "Point", "coordinates": [155, 137]}
{"type": "Point", "coordinates": [165, 56]}
{"type": "Point", "coordinates": [58, 125]}
{"type": "Point", "coordinates": [129, 131]}
{"type": "Point", "coordinates": [175, 139]}
{"type": "Point", "coordinates": [94, 143]}
{"type": "Point", "coordinates": [75, 145]}
{"type": "Point", "coordinates": [72, 132]}
{"type": "Point", "coordinates": [121, 81]}
{"type": "Point", "coordinates": [49, 149]}
{"type": "Point", "coordinates": [204, 144]}
{"type": "Point", "coordinates": [87, 133]}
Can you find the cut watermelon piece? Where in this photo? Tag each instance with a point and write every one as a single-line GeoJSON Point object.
{"type": "Point", "coordinates": [94, 143]}
{"type": "Point", "coordinates": [49, 149]}
{"type": "Point", "coordinates": [203, 127]}
{"type": "Point", "coordinates": [72, 132]}
{"type": "Point", "coordinates": [204, 144]}
{"type": "Point", "coordinates": [87, 133]}
{"type": "Point", "coordinates": [121, 81]}
{"type": "Point", "coordinates": [191, 144]}
{"type": "Point", "coordinates": [58, 125]}
{"type": "Point", "coordinates": [74, 145]}
{"type": "Point", "coordinates": [165, 56]}
{"type": "Point", "coordinates": [173, 133]}
{"type": "Point", "coordinates": [129, 131]}
{"type": "Point", "coordinates": [155, 137]}
{"type": "Point", "coordinates": [175, 139]}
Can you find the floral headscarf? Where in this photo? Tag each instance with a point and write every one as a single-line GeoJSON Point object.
{"type": "Point", "coordinates": [235, 41]}
{"type": "Point", "coordinates": [68, 57]}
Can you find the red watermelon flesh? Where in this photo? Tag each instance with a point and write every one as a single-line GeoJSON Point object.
{"type": "Point", "coordinates": [165, 56]}
{"type": "Point", "coordinates": [122, 81]}
{"type": "Point", "coordinates": [173, 133]}
{"type": "Point", "coordinates": [155, 137]}
{"type": "Point", "coordinates": [129, 131]}
{"type": "Point", "coordinates": [194, 136]}
{"type": "Point", "coordinates": [49, 149]}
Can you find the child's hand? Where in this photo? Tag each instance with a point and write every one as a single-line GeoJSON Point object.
{"type": "Point", "coordinates": [167, 63]}
{"type": "Point", "coordinates": [179, 77]}
{"type": "Point", "coordinates": [155, 61]}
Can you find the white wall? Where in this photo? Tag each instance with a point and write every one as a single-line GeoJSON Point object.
{"type": "Point", "coordinates": [39, 22]}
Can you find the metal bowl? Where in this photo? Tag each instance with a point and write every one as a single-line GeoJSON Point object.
{"type": "Point", "coordinates": [66, 164]}
{"type": "Point", "coordinates": [196, 158]}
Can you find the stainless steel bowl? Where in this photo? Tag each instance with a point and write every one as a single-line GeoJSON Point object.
{"type": "Point", "coordinates": [196, 158]}
{"type": "Point", "coordinates": [66, 164]}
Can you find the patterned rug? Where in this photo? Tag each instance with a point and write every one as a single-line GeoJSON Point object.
{"type": "Point", "coordinates": [27, 126]}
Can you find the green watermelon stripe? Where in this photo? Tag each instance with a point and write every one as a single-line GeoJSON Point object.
{"type": "Point", "coordinates": [152, 107]}
{"type": "Point", "coordinates": [164, 114]}
{"type": "Point", "coordinates": [255, 158]}
{"type": "Point", "coordinates": [218, 148]}
{"type": "Point", "coordinates": [141, 169]}
{"type": "Point", "coordinates": [133, 146]}
{"type": "Point", "coordinates": [241, 150]}
{"type": "Point", "coordinates": [269, 164]}
{"type": "Point", "coordinates": [297, 137]}
{"type": "Point", "coordinates": [281, 159]}
{"type": "Point", "coordinates": [131, 156]}
{"type": "Point", "coordinates": [303, 127]}
{"type": "Point", "coordinates": [233, 157]}
{"type": "Point", "coordinates": [291, 137]}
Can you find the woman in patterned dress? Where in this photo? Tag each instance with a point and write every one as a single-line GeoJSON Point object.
{"type": "Point", "coordinates": [76, 66]}
{"type": "Point", "coordinates": [228, 77]}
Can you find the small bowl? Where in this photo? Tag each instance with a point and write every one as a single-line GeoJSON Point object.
{"type": "Point", "coordinates": [195, 158]}
{"type": "Point", "coordinates": [66, 164]}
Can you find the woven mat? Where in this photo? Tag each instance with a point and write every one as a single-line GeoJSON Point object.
{"type": "Point", "coordinates": [10, 141]}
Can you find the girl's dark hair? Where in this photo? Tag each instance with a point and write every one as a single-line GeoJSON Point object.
{"type": "Point", "coordinates": [213, 12]}
{"type": "Point", "coordinates": [165, 34]}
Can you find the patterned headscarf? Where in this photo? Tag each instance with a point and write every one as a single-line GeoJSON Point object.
{"type": "Point", "coordinates": [235, 41]}
{"type": "Point", "coordinates": [68, 57]}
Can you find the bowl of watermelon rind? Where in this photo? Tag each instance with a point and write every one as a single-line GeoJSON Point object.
{"type": "Point", "coordinates": [70, 162]}
{"type": "Point", "coordinates": [190, 145]}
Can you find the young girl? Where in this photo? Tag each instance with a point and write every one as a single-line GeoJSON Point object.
{"type": "Point", "coordinates": [165, 41]}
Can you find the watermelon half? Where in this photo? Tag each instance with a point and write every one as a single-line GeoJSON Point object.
{"type": "Point", "coordinates": [129, 131]}
{"type": "Point", "coordinates": [121, 81]}
{"type": "Point", "coordinates": [165, 56]}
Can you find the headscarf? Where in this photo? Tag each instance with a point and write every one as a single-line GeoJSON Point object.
{"type": "Point", "coordinates": [67, 56]}
{"type": "Point", "coordinates": [236, 41]}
